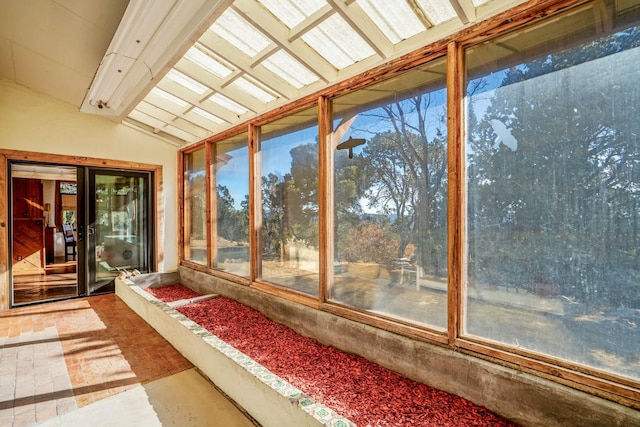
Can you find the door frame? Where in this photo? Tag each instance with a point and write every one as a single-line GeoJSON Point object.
{"type": "Point", "coordinates": [90, 226]}
{"type": "Point", "coordinates": [5, 218]}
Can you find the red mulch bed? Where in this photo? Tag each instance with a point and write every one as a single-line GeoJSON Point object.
{"type": "Point", "coordinates": [362, 391]}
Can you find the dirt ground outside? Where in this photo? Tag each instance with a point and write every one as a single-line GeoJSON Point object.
{"type": "Point", "coordinates": [602, 339]}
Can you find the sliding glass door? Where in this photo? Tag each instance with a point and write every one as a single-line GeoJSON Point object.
{"type": "Point", "coordinates": [119, 226]}
{"type": "Point", "coordinates": [74, 229]}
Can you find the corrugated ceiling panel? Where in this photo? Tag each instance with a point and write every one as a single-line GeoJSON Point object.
{"type": "Point", "coordinates": [338, 42]}
{"type": "Point", "coordinates": [224, 102]}
{"type": "Point", "coordinates": [204, 58]}
{"type": "Point", "coordinates": [437, 11]}
{"type": "Point", "coordinates": [394, 18]}
{"type": "Point", "coordinates": [292, 12]}
{"type": "Point", "coordinates": [285, 66]}
{"type": "Point", "coordinates": [215, 86]}
{"type": "Point", "coordinates": [236, 30]}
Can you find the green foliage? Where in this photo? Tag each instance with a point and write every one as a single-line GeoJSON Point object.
{"type": "Point", "coordinates": [232, 223]}
{"type": "Point", "coordinates": [561, 212]}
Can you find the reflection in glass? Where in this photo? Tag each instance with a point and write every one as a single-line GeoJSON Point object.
{"type": "Point", "coordinates": [390, 197]}
{"type": "Point", "coordinates": [231, 181]}
{"type": "Point", "coordinates": [553, 151]}
{"type": "Point", "coordinates": [289, 235]}
{"type": "Point", "coordinates": [195, 207]}
{"type": "Point", "coordinates": [121, 227]}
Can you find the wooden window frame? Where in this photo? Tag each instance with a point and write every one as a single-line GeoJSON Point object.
{"type": "Point", "coordinates": [609, 386]}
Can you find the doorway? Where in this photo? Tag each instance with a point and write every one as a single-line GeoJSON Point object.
{"type": "Point", "coordinates": [119, 226]}
{"type": "Point", "coordinates": [75, 228]}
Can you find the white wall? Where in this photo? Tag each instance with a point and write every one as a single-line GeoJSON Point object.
{"type": "Point", "coordinates": [31, 121]}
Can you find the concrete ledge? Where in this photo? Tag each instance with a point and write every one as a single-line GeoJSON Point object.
{"type": "Point", "coordinates": [526, 399]}
{"type": "Point", "coordinates": [266, 397]}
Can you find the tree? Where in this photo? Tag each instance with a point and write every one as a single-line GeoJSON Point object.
{"type": "Point", "coordinates": [408, 168]}
{"type": "Point", "coordinates": [561, 211]}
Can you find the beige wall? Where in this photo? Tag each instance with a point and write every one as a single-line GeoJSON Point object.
{"type": "Point", "coordinates": [31, 121]}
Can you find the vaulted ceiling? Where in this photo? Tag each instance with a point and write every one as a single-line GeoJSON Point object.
{"type": "Point", "coordinates": [187, 69]}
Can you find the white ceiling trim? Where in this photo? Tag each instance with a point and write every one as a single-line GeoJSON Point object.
{"type": "Point", "coordinates": [130, 70]}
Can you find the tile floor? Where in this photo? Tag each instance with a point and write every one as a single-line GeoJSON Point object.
{"type": "Point", "coordinates": [59, 357]}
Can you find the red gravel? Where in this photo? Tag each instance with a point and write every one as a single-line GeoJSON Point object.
{"type": "Point", "coordinates": [362, 391]}
{"type": "Point", "coordinates": [172, 293]}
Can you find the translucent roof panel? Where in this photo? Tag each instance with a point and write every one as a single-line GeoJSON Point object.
{"type": "Point", "coordinates": [204, 119]}
{"type": "Point", "coordinates": [207, 115]}
{"type": "Point", "coordinates": [236, 30]}
{"type": "Point", "coordinates": [338, 42]}
{"type": "Point", "coordinates": [166, 101]}
{"type": "Point", "coordinates": [187, 136]}
{"type": "Point", "coordinates": [202, 57]}
{"type": "Point", "coordinates": [437, 11]}
{"type": "Point", "coordinates": [254, 89]}
{"type": "Point", "coordinates": [292, 12]}
{"type": "Point", "coordinates": [147, 119]}
{"type": "Point", "coordinates": [186, 82]}
{"type": "Point", "coordinates": [252, 56]}
{"type": "Point", "coordinates": [286, 66]}
{"type": "Point", "coordinates": [227, 103]}
{"type": "Point", "coordinates": [395, 18]}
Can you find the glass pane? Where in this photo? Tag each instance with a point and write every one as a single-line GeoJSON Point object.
{"type": "Point", "coordinates": [195, 207]}
{"type": "Point", "coordinates": [390, 197]}
{"type": "Point", "coordinates": [120, 230]}
{"type": "Point", "coordinates": [231, 180]}
{"type": "Point", "coordinates": [289, 238]}
{"type": "Point", "coordinates": [553, 166]}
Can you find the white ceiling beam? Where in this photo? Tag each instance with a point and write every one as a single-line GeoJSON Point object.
{"type": "Point", "coordinates": [281, 36]}
{"type": "Point", "coordinates": [315, 19]}
{"type": "Point", "coordinates": [197, 101]}
{"type": "Point", "coordinates": [364, 26]}
{"type": "Point", "coordinates": [221, 86]}
{"type": "Point", "coordinates": [242, 62]}
{"type": "Point", "coordinates": [465, 10]}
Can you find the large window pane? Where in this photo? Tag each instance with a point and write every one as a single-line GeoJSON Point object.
{"type": "Point", "coordinates": [390, 197]}
{"type": "Point", "coordinates": [553, 158]}
{"type": "Point", "coordinates": [195, 207]}
{"type": "Point", "coordinates": [289, 235]}
{"type": "Point", "coordinates": [231, 181]}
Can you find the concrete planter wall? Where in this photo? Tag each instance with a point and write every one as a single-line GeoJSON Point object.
{"type": "Point", "coordinates": [526, 399]}
{"type": "Point", "coordinates": [267, 398]}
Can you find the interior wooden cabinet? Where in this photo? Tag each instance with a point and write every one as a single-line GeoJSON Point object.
{"type": "Point", "coordinates": [28, 226]}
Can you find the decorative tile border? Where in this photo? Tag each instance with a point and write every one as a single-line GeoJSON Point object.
{"type": "Point", "coordinates": [317, 410]}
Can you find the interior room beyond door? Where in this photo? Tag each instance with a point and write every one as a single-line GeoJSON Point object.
{"type": "Point", "coordinates": [44, 248]}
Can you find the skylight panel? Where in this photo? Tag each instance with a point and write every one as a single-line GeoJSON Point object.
{"type": "Point", "coordinates": [287, 67]}
{"type": "Point", "coordinates": [186, 81]}
{"type": "Point", "coordinates": [168, 97]}
{"type": "Point", "coordinates": [236, 30]}
{"type": "Point", "coordinates": [198, 56]}
{"type": "Point", "coordinates": [253, 89]}
{"type": "Point", "coordinates": [172, 130]}
{"type": "Point", "coordinates": [207, 115]}
{"type": "Point", "coordinates": [227, 103]}
{"type": "Point", "coordinates": [166, 101]}
{"type": "Point", "coordinates": [395, 18]}
{"type": "Point", "coordinates": [337, 42]}
{"type": "Point", "coordinates": [207, 120]}
{"type": "Point", "coordinates": [147, 119]}
{"type": "Point", "coordinates": [437, 11]}
{"type": "Point", "coordinates": [292, 12]}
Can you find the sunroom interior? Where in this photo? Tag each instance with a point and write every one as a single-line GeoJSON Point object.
{"type": "Point", "coordinates": [449, 188]}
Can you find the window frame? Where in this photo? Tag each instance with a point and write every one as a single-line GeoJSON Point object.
{"type": "Point", "coordinates": [597, 382]}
